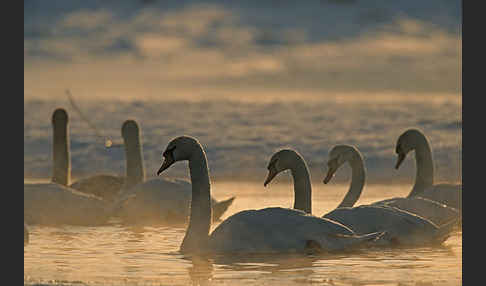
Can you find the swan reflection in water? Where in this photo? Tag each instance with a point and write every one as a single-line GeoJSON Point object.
{"type": "Point", "coordinates": [304, 269]}
{"type": "Point", "coordinates": [201, 270]}
{"type": "Point", "coordinates": [250, 267]}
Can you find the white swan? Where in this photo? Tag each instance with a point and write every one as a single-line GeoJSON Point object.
{"type": "Point", "coordinates": [53, 203]}
{"type": "Point", "coordinates": [104, 186]}
{"type": "Point", "coordinates": [251, 231]}
{"type": "Point", "coordinates": [157, 200]}
{"type": "Point", "coordinates": [403, 227]}
{"type": "Point", "coordinates": [415, 202]}
{"type": "Point", "coordinates": [288, 159]}
{"type": "Point", "coordinates": [448, 194]}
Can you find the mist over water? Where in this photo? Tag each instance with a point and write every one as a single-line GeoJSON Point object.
{"type": "Point", "coordinates": [240, 137]}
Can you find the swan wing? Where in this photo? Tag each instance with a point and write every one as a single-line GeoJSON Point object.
{"type": "Point", "coordinates": [104, 186]}
{"type": "Point", "coordinates": [447, 194]}
{"type": "Point", "coordinates": [434, 211]}
{"type": "Point", "coordinates": [279, 230]}
{"type": "Point", "coordinates": [401, 227]}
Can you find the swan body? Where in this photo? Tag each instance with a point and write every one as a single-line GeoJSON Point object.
{"type": "Point", "coordinates": [448, 194]}
{"type": "Point", "coordinates": [399, 227]}
{"type": "Point", "coordinates": [157, 200]}
{"type": "Point", "coordinates": [252, 231]}
{"type": "Point", "coordinates": [104, 186]}
{"type": "Point", "coordinates": [402, 228]}
{"type": "Point", "coordinates": [282, 230]}
{"type": "Point", "coordinates": [163, 201]}
{"type": "Point", "coordinates": [434, 211]}
{"type": "Point", "coordinates": [55, 203]}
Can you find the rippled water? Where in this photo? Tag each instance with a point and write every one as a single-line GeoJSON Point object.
{"type": "Point", "coordinates": [118, 255]}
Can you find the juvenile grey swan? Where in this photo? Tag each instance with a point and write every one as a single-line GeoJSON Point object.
{"type": "Point", "coordinates": [405, 227]}
{"type": "Point", "coordinates": [157, 200]}
{"type": "Point", "coordinates": [266, 230]}
{"type": "Point", "coordinates": [415, 140]}
{"type": "Point", "coordinates": [56, 204]}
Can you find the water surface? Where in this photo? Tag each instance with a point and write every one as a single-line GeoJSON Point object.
{"type": "Point", "coordinates": [119, 255]}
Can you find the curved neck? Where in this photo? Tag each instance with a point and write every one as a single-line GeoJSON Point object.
{"type": "Point", "coordinates": [135, 171]}
{"type": "Point", "coordinates": [197, 232]}
{"type": "Point", "coordinates": [357, 182]}
{"type": "Point", "coordinates": [424, 178]}
{"type": "Point", "coordinates": [61, 159]}
{"type": "Point", "coordinates": [302, 185]}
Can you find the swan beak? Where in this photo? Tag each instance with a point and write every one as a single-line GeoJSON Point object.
{"type": "Point", "coordinates": [168, 161]}
{"type": "Point", "coordinates": [401, 157]}
{"type": "Point", "coordinates": [271, 174]}
{"type": "Point", "coordinates": [330, 174]}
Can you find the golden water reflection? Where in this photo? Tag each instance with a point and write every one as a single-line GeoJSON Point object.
{"type": "Point", "coordinates": [120, 255]}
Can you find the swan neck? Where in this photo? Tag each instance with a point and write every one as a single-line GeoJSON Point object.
{"type": "Point", "coordinates": [61, 159]}
{"type": "Point", "coordinates": [135, 171]}
{"type": "Point", "coordinates": [196, 238]}
{"type": "Point", "coordinates": [357, 182]}
{"type": "Point", "coordinates": [424, 177]}
{"type": "Point", "coordinates": [302, 186]}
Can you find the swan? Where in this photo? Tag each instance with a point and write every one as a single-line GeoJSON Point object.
{"type": "Point", "coordinates": [266, 230]}
{"type": "Point", "coordinates": [54, 203]}
{"type": "Point", "coordinates": [407, 228]}
{"type": "Point", "coordinates": [103, 185]}
{"type": "Point", "coordinates": [448, 194]}
{"type": "Point", "coordinates": [26, 235]}
{"type": "Point", "coordinates": [415, 202]}
{"type": "Point", "coordinates": [288, 159]}
{"type": "Point", "coordinates": [157, 200]}
{"type": "Point", "coordinates": [401, 227]}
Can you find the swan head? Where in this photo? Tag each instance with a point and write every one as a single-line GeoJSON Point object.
{"type": "Point", "coordinates": [279, 162]}
{"type": "Point", "coordinates": [129, 129]}
{"type": "Point", "coordinates": [405, 144]}
{"type": "Point", "coordinates": [338, 155]}
{"type": "Point", "coordinates": [179, 149]}
{"type": "Point", "coordinates": [60, 116]}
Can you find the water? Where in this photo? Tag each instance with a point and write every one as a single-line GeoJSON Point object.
{"type": "Point", "coordinates": [118, 255]}
{"type": "Point", "coordinates": [240, 137]}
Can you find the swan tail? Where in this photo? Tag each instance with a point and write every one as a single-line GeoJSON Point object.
{"type": "Point", "coordinates": [220, 207]}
